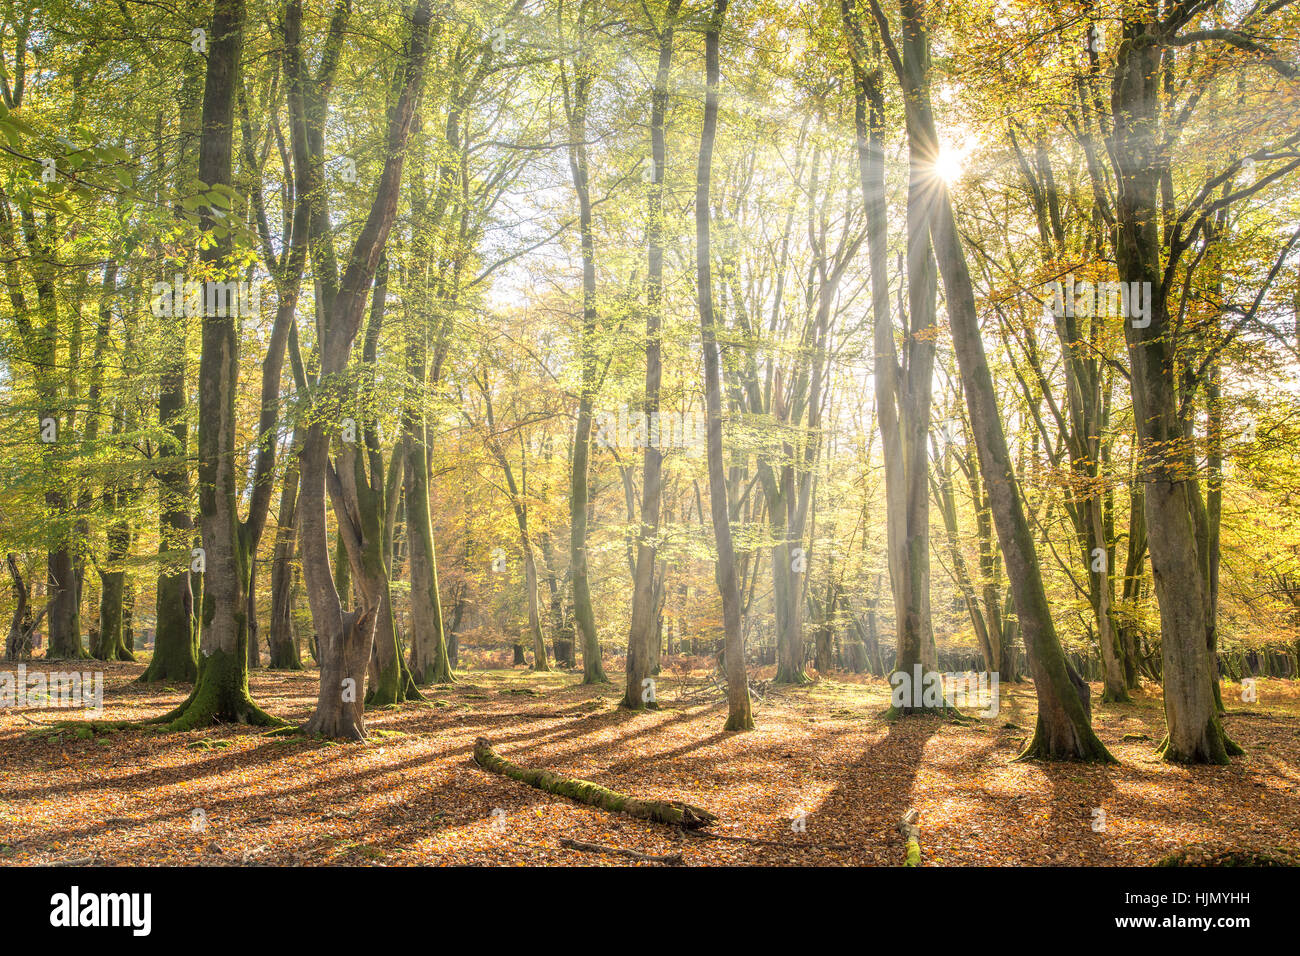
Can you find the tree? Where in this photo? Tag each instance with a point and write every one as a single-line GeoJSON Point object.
{"type": "Point", "coordinates": [1149, 255]}
{"type": "Point", "coordinates": [903, 392]}
{"type": "Point", "coordinates": [738, 711]}
{"type": "Point", "coordinates": [345, 639]}
{"type": "Point", "coordinates": [643, 632]}
{"type": "Point", "coordinates": [577, 96]}
{"type": "Point", "coordinates": [1063, 729]}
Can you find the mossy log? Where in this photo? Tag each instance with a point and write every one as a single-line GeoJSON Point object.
{"type": "Point", "coordinates": [672, 812]}
{"type": "Point", "coordinates": [912, 834]}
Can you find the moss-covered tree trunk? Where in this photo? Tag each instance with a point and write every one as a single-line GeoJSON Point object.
{"type": "Point", "coordinates": [112, 623]}
{"type": "Point", "coordinates": [175, 646]}
{"type": "Point", "coordinates": [671, 812]}
{"type": "Point", "coordinates": [65, 609]}
{"type": "Point", "coordinates": [430, 662]}
{"type": "Point", "coordinates": [221, 691]}
{"type": "Point", "coordinates": [362, 497]}
{"type": "Point", "coordinates": [391, 681]}
{"type": "Point", "coordinates": [176, 632]}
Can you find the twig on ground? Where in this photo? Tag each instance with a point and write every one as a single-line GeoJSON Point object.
{"type": "Point", "coordinates": [671, 858]}
{"type": "Point", "coordinates": [777, 843]}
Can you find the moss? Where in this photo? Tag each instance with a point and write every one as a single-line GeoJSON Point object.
{"type": "Point", "coordinates": [1086, 748]}
{"type": "Point", "coordinates": [1215, 747]}
{"type": "Point", "coordinates": [387, 689]}
{"type": "Point", "coordinates": [672, 812]}
{"type": "Point", "coordinates": [1216, 856]}
{"type": "Point", "coordinates": [913, 853]}
{"type": "Point", "coordinates": [796, 676]}
{"type": "Point", "coordinates": [739, 722]}
{"type": "Point", "coordinates": [220, 696]}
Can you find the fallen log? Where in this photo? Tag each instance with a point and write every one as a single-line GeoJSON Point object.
{"type": "Point", "coordinates": [672, 812]}
{"type": "Point", "coordinates": [912, 834]}
{"type": "Point", "coordinates": [620, 851]}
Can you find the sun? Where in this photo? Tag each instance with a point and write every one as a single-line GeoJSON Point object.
{"type": "Point", "coordinates": [949, 165]}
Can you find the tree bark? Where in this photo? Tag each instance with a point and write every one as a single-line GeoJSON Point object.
{"type": "Point", "coordinates": [1063, 729]}
{"type": "Point", "coordinates": [345, 640]}
{"type": "Point", "coordinates": [1195, 733]}
{"type": "Point", "coordinates": [642, 658]}
{"type": "Point", "coordinates": [221, 691]}
{"type": "Point", "coordinates": [902, 391]}
{"type": "Point", "coordinates": [739, 716]}
{"type": "Point", "coordinates": [176, 628]}
{"type": "Point", "coordinates": [576, 104]}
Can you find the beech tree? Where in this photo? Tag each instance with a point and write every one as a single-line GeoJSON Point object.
{"type": "Point", "coordinates": [1063, 729]}
{"type": "Point", "coordinates": [643, 634]}
{"type": "Point", "coordinates": [738, 709]}
{"type": "Point", "coordinates": [346, 639]}
{"type": "Point", "coordinates": [221, 690]}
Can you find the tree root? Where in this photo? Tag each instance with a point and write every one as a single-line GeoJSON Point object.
{"type": "Point", "coordinates": [672, 812]}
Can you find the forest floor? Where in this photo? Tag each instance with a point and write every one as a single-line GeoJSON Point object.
{"type": "Point", "coordinates": [823, 780]}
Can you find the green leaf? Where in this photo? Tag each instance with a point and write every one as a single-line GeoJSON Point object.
{"type": "Point", "coordinates": [18, 124]}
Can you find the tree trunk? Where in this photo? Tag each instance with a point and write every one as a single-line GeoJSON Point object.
{"type": "Point", "coordinates": [284, 647]}
{"type": "Point", "coordinates": [1063, 729]}
{"type": "Point", "coordinates": [738, 709]}
{"type": "Point", "coordinates": [593, 671]}
{"type": "Point", "coordinates": [175, 642]}
{"type": "Point", "coordinates": [221, 691]}
{"type": "Point", "coordinates": [671, 812]}
{"type": "Point", "coordinates": [430, 662]}
{"type": "Point", "coordinates": [18, 645]}
{"type": "Point", "coordinates": [902, 391]}
{"type": "Point", "coordinates": [345, 640]}
{"type": "Point", "coordinates": [1195, 733]}
{"type": "Point", "coordinates": [176, 627]}
{"type": "Point", "coordinates": [642, 657]}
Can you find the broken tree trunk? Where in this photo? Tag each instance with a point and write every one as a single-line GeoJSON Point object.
{"type": "Point", "coordinates": [912, 834]}
{"type": "Point", "coordinates": [672, 812]}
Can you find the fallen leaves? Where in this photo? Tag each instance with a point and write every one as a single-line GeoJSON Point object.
{"type": "Point", "coordinates": [828, 791]}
